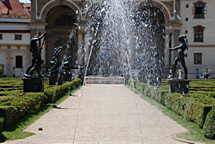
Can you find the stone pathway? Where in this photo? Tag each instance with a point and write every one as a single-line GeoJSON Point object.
{"type": "Point", "coordinates": [104, 114]}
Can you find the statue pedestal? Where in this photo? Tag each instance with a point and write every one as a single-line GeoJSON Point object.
{"type": "Point", "coordinates": [33, 85]}
{"type": "Point", "coordinates": [179, 85]}
{"type": "Point", "coordinates": [53, 81]}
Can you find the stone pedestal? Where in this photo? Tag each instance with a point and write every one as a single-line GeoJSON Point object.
{"type": "Point", "coordinates": [179, 85]}
{"type": "Point", "coordinates": [33, 85]}
{"type": "Point", "coordinates": [53, 81]}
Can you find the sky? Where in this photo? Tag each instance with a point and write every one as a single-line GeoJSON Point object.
{"type": "Point", "coordinates": [25, 1]}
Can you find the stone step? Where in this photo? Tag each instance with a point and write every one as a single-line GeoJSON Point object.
{"type": "Point", "coordinates": [104, 80]}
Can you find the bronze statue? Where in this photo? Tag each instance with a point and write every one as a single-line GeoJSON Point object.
{"type": "Point", "coordinates": [36, 57]}
{"type": "Point", "coordinates": [55, 63]}
{"type": "Point", "coordinates": [67, 68]}
{"type": "Point", "coordinates": [180, 56]}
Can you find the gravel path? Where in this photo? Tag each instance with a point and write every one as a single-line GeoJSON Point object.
{"type": "Point", "coordinates": [104, 114]}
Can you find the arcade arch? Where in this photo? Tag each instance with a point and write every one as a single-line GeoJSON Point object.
{"type": "Point", "coordinates": [60, 21]}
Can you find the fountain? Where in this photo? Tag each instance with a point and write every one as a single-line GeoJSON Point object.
{"type": "Point", "coordinates": [121, 40]}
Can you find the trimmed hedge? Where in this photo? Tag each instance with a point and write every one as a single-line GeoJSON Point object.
{"type": "Point", "coordinates": [54, 93]}
{"type": "Point", "coordinates": [194, 106]}
{"type": "Point", "coordinates": [209, 126]}
{"type": "Point", "coordinates": [1, 123]}
{"type": "Point", "coordinates": [9, 86]}
{"type": "Point", "coordinates": [19, 107]}
{"type": "Point", "coordinates": [14, 109]}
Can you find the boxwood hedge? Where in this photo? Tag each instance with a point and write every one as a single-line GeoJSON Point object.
{"type": "Point", "coordinates": [209, 126]}
{"type": "Point", "coordinates": [14, 108]}
{"type": "Point", "coordinates": [195, 106]}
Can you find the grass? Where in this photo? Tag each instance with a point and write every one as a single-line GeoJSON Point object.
{"type": "Point", "coordinates": [19, 132]}
{"type": "Point", "coordinates": [194, 132]}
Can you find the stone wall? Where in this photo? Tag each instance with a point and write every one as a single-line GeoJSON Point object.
{"type": "Point", "coordinates": [9, 53]}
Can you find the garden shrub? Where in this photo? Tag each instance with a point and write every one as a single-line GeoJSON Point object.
{"type": "Point", "coordinates": [193, 106]}
{"type": "Point", "coordinates": [172, 101]}
{"type": "Point", "coordinates": [55, 92]}
{"type": "Point", "coordinates": [188, 107]}
{"type": "Point", "coordinates": [162, 96]}
{"type": "Point", "coordinates": [196, 112]}
{"type": "Point", "coordinates": [11, 93]}
{"type": "Point", "coordinates": [203, 97]}
{"type": "Point", "coordinates": [140, 87]}
{"type": "Point", "coordinates": [17, 107]}
{"type": "Point", "coordinates": [209, 125]}
{"type": "Point", "coordinates": [1, 121]}
{"type": "Point", "coordinates": [4, 100]}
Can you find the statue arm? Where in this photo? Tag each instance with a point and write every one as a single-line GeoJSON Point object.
{"type": "Point", "coordinates": [176, 48]}
{"type": "Point", "coordinates": [40, 37]}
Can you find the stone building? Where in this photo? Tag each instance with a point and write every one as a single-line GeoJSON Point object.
{"type": "Point", "coordinates": [198, 21]}
{"type": "Point", "coordinates": [57, 18]}
{"type": "Point", "coordinates": [15, 30]}
{"type": "Point", "coordinates": [193, 17]}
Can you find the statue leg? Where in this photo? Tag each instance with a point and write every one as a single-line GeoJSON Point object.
{"type": "Point", "coordinates": [32, 70]}
{"type": "Point", "coordinates": [38, 70]}
{"type": "Point", "coordinates": [29, 69]}
{"type": "Point", "coordinates": [185, 68]}
{"type": "Point", "coordinates": [174, 67]}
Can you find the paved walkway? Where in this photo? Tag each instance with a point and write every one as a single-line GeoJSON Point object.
{"type": "Point", "coordinates": [104, 114]}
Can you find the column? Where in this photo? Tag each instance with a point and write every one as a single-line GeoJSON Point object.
{"type": "Point", "coordinates": [174, 9]}
{"type": "Point", "coordinates": [9, 61]}
{"type": "Point", "coordinates": [33, 9]}
{"type": "Point", "coordinates": [170, 46]}
{"type": "Point", "coordinates": [166, 51]}
{"type": "Point", "coordinates": [177, 7]}
{"type": "Point", "coordinates": [36, 9]}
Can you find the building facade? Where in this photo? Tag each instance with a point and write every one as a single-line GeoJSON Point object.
{"type": "Point", "coordinates": [58, 17]}
{"type": "Point", "coordinates": [198, 21]}
{"type": "Point", "coordinates": [15, 30]}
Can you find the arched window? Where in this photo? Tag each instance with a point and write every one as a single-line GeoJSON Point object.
{"type": "Point", "coordinates": [199, 33]}
{"type": "Point", "coordinates": [199, 9]}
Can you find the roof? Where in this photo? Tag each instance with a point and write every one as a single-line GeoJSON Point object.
{"type": "Point", "coordinates": [14, 9]}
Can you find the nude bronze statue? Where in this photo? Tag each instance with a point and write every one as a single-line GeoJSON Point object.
{"type": "Point", "coordinates": [181, 48]}
{"type": "Point", "coordinates": [37, 61]}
